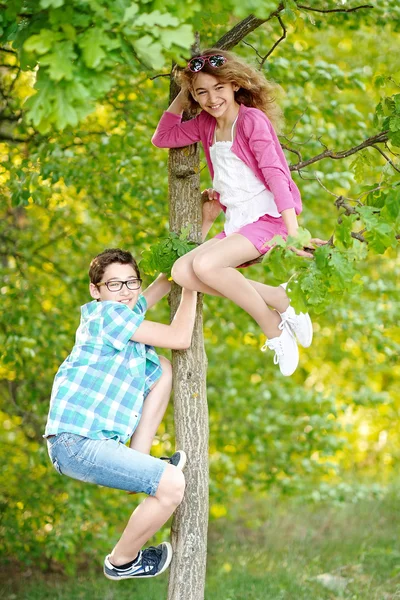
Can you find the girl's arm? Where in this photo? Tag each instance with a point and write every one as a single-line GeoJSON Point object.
{"type": "Point", "coordinates": [290, 219]}
{"type": "Point", "coordinates": [263, 145]}
{"type": "Point", "coordinates": [157, 290]}
{"type": "Point", "coordinates": [177, 335]}
{"type": "Point", "coordinates": [171, 131]}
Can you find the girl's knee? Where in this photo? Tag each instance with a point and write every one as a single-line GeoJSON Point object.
{"type": "Point", "coordinates": [202, 266]}
{"type": "Point", "coordinates": [171, 487]}
{"type": "Point", "coordinates": [181, 271]}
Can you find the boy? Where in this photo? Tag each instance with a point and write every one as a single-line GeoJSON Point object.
{"type": "Point", "coordinates": [113, 387]}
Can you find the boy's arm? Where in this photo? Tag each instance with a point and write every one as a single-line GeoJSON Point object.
{"type": "Point", "coordinates": [157, 290]}
{"type": "Point", "coordinates": [177, 335]}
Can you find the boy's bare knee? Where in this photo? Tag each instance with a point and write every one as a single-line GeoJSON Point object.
{"type": "Point", "coordinates": [171, 487]}
{"type": "Point", "coordinates": [166, 367]}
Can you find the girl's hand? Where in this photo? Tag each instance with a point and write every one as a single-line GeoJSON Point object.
{"type": "Point", "coordinates": [211, 206]}
{"type": "Point", "coordinates": [209, 194]}
{"type": "Point", "coordinates": [311, 246]}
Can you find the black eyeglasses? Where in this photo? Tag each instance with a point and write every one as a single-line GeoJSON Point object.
{"type": "Point", "coordinates": [116, 286]}
{"type": "Point", "coordinates": [214, 60]}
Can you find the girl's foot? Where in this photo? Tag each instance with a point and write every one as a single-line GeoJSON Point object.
{"type": "Point", "coordinates": [299, 324]}
{"type": "Point", "coordinates": [286, 350]}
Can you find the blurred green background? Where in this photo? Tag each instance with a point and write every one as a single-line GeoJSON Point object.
{"type": "Point", "coordinates": [304, 474]}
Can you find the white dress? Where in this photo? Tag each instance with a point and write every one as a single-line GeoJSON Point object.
{"type": "Point", "coordinates": [246, 198]}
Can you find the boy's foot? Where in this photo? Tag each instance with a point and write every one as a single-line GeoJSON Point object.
{"type": "Point", "coordinates": [150, 563]}
{"type": "Point", "coordinates": [286, 350]}
{"type": "Point", "coordinates": [299, 324]}
{"type": "Point", "coordinates": [178, 459]}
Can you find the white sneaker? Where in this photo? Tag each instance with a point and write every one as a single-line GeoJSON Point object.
{"type": "Point", "coordinates": [286, 350]}
{"type": "Point", "coordinates": [299, 324]}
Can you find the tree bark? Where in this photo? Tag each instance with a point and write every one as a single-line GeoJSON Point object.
{"type": "Point", "coordinates": [189, 527]}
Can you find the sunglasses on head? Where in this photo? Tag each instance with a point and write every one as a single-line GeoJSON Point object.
{"type": "Point", "coordinates": [214, 60]}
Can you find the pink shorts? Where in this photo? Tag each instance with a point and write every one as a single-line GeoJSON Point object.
{"type": "Point", "coordinates": [260, 232]}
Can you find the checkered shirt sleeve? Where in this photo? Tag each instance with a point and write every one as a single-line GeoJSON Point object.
{"type": "Point", "coordinates": [120, 322]}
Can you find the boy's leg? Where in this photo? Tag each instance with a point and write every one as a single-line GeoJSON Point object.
{"type": "Point", "coordinates": [149, 516]}
{"type": "Point", "coordinates": [154, 408]}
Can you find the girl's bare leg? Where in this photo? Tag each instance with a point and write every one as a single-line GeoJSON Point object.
{"type": "Point", "coordinates": [183, 273]}
{"type": "Point", "coordinates": [215, 267]}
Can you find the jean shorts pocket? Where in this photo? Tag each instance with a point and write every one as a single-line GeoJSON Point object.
{"type": "Point", "coordinates": [56, 465]}
{"type": "Point", "coordinates": [72, 443]}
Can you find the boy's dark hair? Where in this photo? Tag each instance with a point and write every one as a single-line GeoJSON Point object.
{"type": "Point", "coordinates": [108, 257]}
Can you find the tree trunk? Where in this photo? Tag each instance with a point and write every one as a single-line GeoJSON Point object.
{"type": "Point", "coordinates": [189, 527]}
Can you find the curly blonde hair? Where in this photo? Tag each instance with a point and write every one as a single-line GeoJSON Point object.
{"type": "Point", "coordinates": [254, 89]}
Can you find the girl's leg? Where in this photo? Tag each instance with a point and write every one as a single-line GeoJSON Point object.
{"type": "Point", "coordinates": [183, 273]}
{"type": "Point", "coordinates": [150, 516]}
{"type": "Point", "coordinates": [153, 410]}
{"type": "Point", "coordinates": [215, 267]}
{"type": "Point", "coordinates": [273, 296]}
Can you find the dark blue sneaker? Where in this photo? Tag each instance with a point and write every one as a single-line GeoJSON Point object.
{"type": "Point", "coordinates": [178, 459]}
{"type": "Point", "coordinates": [150, 563]}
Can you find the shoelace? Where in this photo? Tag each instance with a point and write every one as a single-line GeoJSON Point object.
{"type": "Point", "coordinates": [276, 345]}
{"type": "Point", "coordinates": [151, 557]}
{"type": "Point", "coordinates": [288, 321]}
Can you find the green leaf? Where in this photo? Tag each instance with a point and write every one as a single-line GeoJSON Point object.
{"type": "Point", "coordinates": [369, 215]}
{"type": "Point", "coordinates": [321, 255]}
{"type": "Point", "coordinates": [94, 44]}
{"type": "Point", "coordinates": [343, 231]}
{"type": "Point", "coordinates": [182, 37]}
{"type": "Point", "coordinates": [51, 3]}
{"type": "Point", "coordinates": [156, 18]}
{"type": "Point", "coordinates": [42, 42]}
{"type": "Point", "coordinates": [392, 205]}
{"type": "Point", "coordinates": [380, 238]}
{"type": "Point", "coordinates": [60, 61]}
{"type": "Point", "coordinates": [380, 81]}
{"type": "Point", "coordinates": [64, 111]}
{"type": "Point", "coordinates": [130, 12]}
{"type": "Point", "coordinates": [394, 124]}
{"type": "Point", "coordinates": [149, 51]}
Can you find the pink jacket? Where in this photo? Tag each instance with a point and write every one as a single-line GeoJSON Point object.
{"type": "Point", "coordinates": [255, 143]}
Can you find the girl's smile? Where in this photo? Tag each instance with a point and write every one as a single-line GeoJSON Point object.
{"type": "Point", "coordinates": [216, 97]}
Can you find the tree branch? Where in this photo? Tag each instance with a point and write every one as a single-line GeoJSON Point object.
{"type": "Point", "coordinates": [250, 23]}
{"type": "Point", "coordinates": [14, 140]}
{"type": "Point", "coordinates": [246, 26]}
{"type": "Point", "coordinates": [376, 139]}
{"type": "Point", "coordinates": [385, 156]}
{"type": "Point", "coordinates": [334, 10]}
{"type": "Point", "coordinates": [283, 36]}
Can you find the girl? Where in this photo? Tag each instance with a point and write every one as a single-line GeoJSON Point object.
{"type": "Point", "coordinates": [255, 188]}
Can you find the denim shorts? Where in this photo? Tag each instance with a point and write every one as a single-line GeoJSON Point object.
{"type": "Point", "coordinates": [105, 462]}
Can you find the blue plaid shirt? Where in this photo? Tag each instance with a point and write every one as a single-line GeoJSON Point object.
{"type": "Point", "coordinates": [99, 389]}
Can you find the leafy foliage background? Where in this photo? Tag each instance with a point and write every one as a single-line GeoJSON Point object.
{"type": "Point", "coordinates": [78, 174]}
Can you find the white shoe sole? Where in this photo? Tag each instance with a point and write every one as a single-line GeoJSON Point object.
{"type": "Point", "coordinates": [309, 337]}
